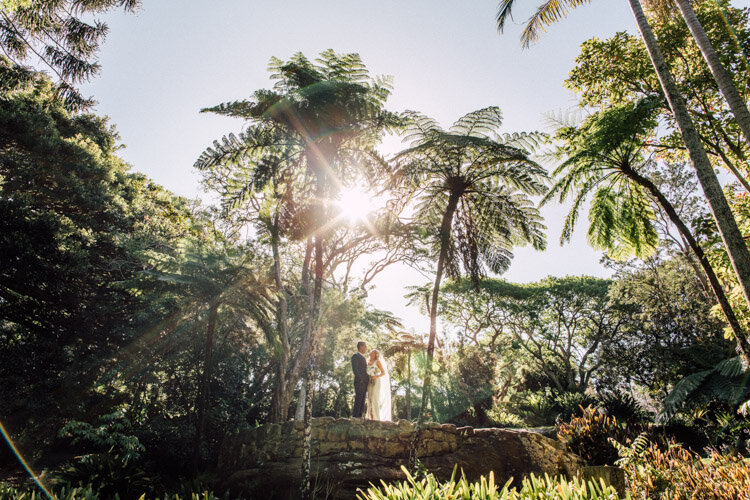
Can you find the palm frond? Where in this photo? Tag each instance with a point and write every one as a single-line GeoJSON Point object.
{"type": "Point", "coordinates": [548, 13]}
{"type": "Point", "coordinates": [504, 12]}
{"type": "Point", "coordinates": [726, 382]}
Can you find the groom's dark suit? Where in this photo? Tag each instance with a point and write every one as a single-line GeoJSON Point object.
{"type": "Point", "coordinates": [361, 380]}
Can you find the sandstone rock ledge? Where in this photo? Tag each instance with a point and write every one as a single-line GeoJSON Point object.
{"type": "Point", "coordinates": [265, 462]}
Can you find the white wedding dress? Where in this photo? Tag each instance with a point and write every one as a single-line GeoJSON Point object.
{"type": "Point", "coordinates": [379, 394]}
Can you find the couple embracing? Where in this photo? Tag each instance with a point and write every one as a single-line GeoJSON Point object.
{"type": "Point", "coordinates": [372, 385]}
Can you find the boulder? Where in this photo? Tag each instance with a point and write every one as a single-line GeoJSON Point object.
{"type": "Point", "coordinates": [348, 454]}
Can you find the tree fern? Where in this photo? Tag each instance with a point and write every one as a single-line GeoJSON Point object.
{"type": "Point", "coordinates": [602, 157]}
{"type": "Point", "coordinates": [726, 382]}
{"type": "Point", "coordinates": [473, 192]}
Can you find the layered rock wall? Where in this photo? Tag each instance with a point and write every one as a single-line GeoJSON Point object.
{"type": "Point", "coordinates": [352, 453]}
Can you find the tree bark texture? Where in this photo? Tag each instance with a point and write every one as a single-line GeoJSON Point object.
{"type": "Point", "coordinates": [306, 491]}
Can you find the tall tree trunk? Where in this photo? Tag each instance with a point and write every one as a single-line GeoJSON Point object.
{"type": "Point", "coordinates": [307, 492]}
{"type": "Point", "coordinates": [408, 385]}
{"type": "Point", "coordinates": [299, 412]}
{"type": "Point", "coordinates": [445, 231]}
{"type": "Point", "coordinates": [319, 221]}
{"type": "Point", "coordinates": [730, 233]}
{"type": "Point", "coordinates": [700, 276]}
{"type": "Point", "coordinates": [722, 77]}
{"type": "Point", "coordinates": [205, 384]}
{"type": "Point", "coordinates": [281, 397]}
{"type": "Point", "coordinates": [739, 333]}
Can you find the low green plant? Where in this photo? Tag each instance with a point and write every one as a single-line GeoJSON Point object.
{"type": "Point", "coordinates": [502, 418]}
{"type": "Point", "coordinates": [623, 406]}
{"type": "Point", "coordinates": [110, 461]}
{"type": "Point", "coordinates": [569, 404]}
{"type": "Point", "coordinates": [8, 492]}
{"type": "Point", "coordinates": [532, 487]}
{"type": "Point", "coordinates": [535, 408]}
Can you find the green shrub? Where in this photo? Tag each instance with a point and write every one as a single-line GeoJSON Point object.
{"type": "Point", "coordinates": [111, 459]}
{"type": "Point", "coordinates": [535, 408]}
{"type": "Point", "coordinates": [501, 418]}
{"type": "Point", "coordinates": [569, 404]}
{"type": "Point", "coordinates": [8, 492]}
{"type": "Point", "coordinates": [532, 487]}
{"type": "Point", "coordinates": [623, 406]}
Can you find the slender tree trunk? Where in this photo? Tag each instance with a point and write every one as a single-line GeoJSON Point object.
{"type": "Point", "coordinates": [306, 487]}
{"type": "Point", "coordinates": [739, 333]}
{"type": "Point", "coordinates": [299, 412]}
{"type": "Point", "coordinates": [408, 385]}
{"type": "Point", "coordinates": [307, 492]}
{"type": "Point", "coordinates": [699, 275]}
{"type": "Point", "coordinates": [281, 396]}
{"type": "Point", "coordinates": [205, 385]}
{"type": "Point", "coordinates": [445, 231]}
{"type": "Point", "coordinates": [722, 77]}
{"type": "Point", "coordinates": [730, 233]}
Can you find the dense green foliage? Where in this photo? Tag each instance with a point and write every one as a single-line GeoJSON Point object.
{"type": "Point", "coordinates": [77, 228]}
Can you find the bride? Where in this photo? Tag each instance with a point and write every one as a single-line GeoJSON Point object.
{"type": "Point", "coordinates": [379, 392]}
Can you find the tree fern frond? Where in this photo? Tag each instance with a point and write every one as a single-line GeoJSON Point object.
{"type": "Point", "coordinates": [732, 367]}
{"type": "Point", "coordinates": [679, 394]}
{"type": "Point", "coordinates": [481, 123]}
{"type": "Point", "coordinates": [418, 127]}
{"type": "Point", "coordinates": [528, 141]}
{"type": "Point", "coordinates": [237, 109]}
{"type": "Point", "coordinates": [568, 118]}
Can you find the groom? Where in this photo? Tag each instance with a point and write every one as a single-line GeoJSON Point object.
{"type": "Point", "coordinates": [361, 379]}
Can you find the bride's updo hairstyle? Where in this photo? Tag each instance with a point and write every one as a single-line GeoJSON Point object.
{"type": "Point", "coordinates": [375, 354]}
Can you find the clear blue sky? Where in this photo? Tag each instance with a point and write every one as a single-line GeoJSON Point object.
{"type": "Point", "coordinates": [162, 65]}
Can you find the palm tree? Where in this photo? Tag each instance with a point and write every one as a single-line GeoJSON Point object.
{"type": "Point", "coordinates": [553, 10]}
{"type": "Point", "coordinates": [334, 112]}
{"type": "Point", "coordinates": [472, 193]}
{"type": "Point", "coordinates": [603, 157]}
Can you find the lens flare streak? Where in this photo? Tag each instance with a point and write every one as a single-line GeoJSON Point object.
{"type": "Point", "coordinates": [24, 463]}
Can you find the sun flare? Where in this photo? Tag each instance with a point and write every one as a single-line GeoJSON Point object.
{"type": "Point", "coordinates": [357, 204]}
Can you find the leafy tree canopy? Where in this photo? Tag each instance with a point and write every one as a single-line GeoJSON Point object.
{"type": "Point", "coordinates": [57, 34]}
